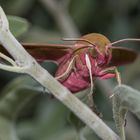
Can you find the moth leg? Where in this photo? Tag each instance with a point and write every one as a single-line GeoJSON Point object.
{"type": "Point", "coordinates": [68, 70]}
{"type": "Point", "coordinates": [108, 73]}
{"type": "Point", "coordinates": [118, 76]}
{"type": "Point", "coordinates": [116, 72]}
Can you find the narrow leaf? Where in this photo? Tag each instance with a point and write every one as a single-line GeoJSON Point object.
{"type": "Point", "coordinates": [125, 98]}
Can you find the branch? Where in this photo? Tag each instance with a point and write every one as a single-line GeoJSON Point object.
{"type": "Point", "coordinates": [23, 59]}
{"type": "Point", "coordinates": [59, 11]}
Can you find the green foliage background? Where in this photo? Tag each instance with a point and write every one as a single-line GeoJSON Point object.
{"type": "Point", "coordinates": [44, 117]}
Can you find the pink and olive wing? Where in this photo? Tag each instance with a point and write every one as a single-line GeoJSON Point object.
{"type": "Point", "coordinates": [42, 52]}
{"type": "Point", "coordinates": [122, 56]}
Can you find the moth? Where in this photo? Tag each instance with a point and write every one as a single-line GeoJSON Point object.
{"type": "Point", "coordinates": [91, 56]}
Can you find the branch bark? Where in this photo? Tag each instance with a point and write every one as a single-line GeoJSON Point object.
{"type": "Point", "coordinates": [27, 64]}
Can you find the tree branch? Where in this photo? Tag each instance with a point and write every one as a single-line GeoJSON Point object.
{"type": "Point", "coordinates": [59, 11]}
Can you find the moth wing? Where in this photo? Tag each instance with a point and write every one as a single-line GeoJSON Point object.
{"type": "Point", "coordinates": [122, 56]}
{"type": "Point", "coordinates": [42, 52]}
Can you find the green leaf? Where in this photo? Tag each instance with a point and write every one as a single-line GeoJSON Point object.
{"type": "Point", "coordinates": [18, 25]}
{"type": "Point", "coordinates": [119, 114]}
{"type": "Point", "coordinates": [125, 98]}
{"type": "Point", "coordinates": [14, 96]}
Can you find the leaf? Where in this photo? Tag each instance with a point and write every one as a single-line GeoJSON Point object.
{"type": "Point", "coordinates": [119, 114]}
{"type": "Point", "coordinates": [14, 96]}
{"type": "Point", "coordinates": [18, 25]}
{"type": "Point", "coordinates": [125, 98]}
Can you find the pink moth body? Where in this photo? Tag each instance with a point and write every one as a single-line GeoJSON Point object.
{"type": "Point", "coordinates": [78, 77]}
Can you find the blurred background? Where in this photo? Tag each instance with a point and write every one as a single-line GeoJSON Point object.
{"type": "Point", "coordinates": [43, 117]}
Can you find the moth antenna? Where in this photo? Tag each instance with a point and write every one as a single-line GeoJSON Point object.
{"type": "Point", "coordinates": [78, 39]}
{"type": "Point", "coordinates": [88, 64]}
{"type": "Point", "coordinates": [125, 40]}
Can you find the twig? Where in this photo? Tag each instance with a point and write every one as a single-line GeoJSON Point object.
{"type": "Point", "coordinates": [59, 11]}
{"type": "Point", "coordinates": [46, 80]}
